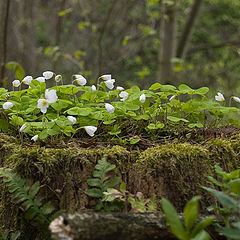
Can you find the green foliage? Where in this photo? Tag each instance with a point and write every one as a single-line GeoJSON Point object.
{"type": "Point", "coordinates": [190, 230]}
{"type": "Point", "coordinates": [159, 107]}
{"type": "Point", "coordinates": [229, 201]}
{"type": "Point", "coordinates": [101, 182]}
{"type": "Point", "coordinates": [10, 236]}
{"type": "Point", "coordinates": [37, 213]}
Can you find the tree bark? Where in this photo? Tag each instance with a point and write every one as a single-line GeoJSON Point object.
{"type": "Point", "coordinates": [117, 226]}
{"type": "Point", "coordinates": [4, 12]}
{"type": "Point", "coordinates": [192, 18]}
{"type": "Point", "coordinates": [167, 41]}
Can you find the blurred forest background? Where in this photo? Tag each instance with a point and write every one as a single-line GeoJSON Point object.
{"type": "Point", "coordinates": [196, 42]}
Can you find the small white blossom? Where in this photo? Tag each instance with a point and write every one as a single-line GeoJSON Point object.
{"type": "Point", "coordinates": [72, 119]}
{"type": "Point", "coordinates": [16, 83]}
{"type": "Point", "coordinates": [236, 99]}
{"type": "Point", "coordinates": [172, 97]}
{"type": "Point", "coordinates": [22, 128]}
{"type": "Point", "coordinates": [58, 78]}
{"type": "Point", "coordinates": [106, 77]}
{"type": "Point", "coordinates": [120, 88]}
{"type": "Point", "coordinates": [27, 80]}
{"type": "Point", "coordinates": [34, 138]}
{"type": "Point", "coordinates": [90, 130]}
{"type": "Point", "coordinates": [94, 88]}
{"type": "Point", "coordinates": [219, 97]}
{"type": "Point", "coordinates": [7, 105]}
{"type": "Point", "coordinates": [43, 105]}
{"type": "Point", "coordinates": [48, 74]}
{"type": "Point", "coordinates": [110, 108]}
{"type": "Point", "coordinates": [142, 98]}
{"type": "Point", "coordinates": [80, 80]}
{"type": "Point", "coordinates": [123, 95]}
{"type": "Point", "coordinates": [40, 79]}
{"type": "Point", "coordinates": [51, 96]}
{"type": "Point", "coordinates": [110, 83]}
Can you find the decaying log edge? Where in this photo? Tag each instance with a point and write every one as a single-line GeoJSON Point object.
{"type": "Point", "coordinates": [112, 226]}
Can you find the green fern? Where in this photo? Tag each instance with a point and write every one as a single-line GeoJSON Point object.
{"type": "Point", "coordinates": [101, 182]}
{"type": "Point", "coordinates": [35, 211]}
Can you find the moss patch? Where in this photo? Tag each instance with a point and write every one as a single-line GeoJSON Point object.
{"type": "Point", "coordinates": [175, 171]}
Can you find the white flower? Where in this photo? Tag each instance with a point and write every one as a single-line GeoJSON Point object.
{"type": "Point", "coordinates": [172, 97]}
{"type": "Point", "coordinates": [51, 96]}
{"type": "Point", "coordinates": [110, 83]}
{"type": "Point", "coordinates": [58, 78]}
{"type": "Point", "coordinates": [7, 105]}
{"type": "Point", "coordinates": [80, 80]}
{"type": "Point", "coordinates": [40, 79]}
{"type": "Point", "coordinates": [106, 77]}
{"type": "Point", "coordinates": [34, 138]}
{"type": "Point", "coordinates": [48, 74]}
{"type": "Point", "coordinates": [237, 99]}
{"type": "Point", "coordinates": [72, 119]}
{"type": "Point", "coordinates": [120, 88]}
{"type": "Point", "coordinates": [27, 80]}
{"type": "Point", "coordinates": [123, 95]}
{"type": "Point", "coordinates": [43, 105]}
{"type": "Point", "coordinates": [16, 83]}
{"type": "Point", "coordinates": [142, 98]}
{"type": "Point", "coordinates": [94, 88]}
{"type": "Point", "coordinates": [219, 97]}
{"type": "Point", "coordinates": [90, 130]}
{"type": "Point", "coordinates": [110, 108]}
{"type": "Point", "coordinates": [22, 128]}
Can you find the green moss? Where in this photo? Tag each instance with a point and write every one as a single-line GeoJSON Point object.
{"type": "Point", "coordinates": [175, 171]}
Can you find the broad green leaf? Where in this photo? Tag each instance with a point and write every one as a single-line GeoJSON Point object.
{"type": "Point", "coordinates": [193, 125]}
{"type": "Point", "coordinates": [173, 220]}
{"type": "Point", "coordinates": [176, 119]}
{"type": "Point", "coordinates": [223, 198]}
{"type": "Point", "coordinates": [191, 212]}
{"type": "Point", "coordinates": [112, 182]}
{"type": "Point", "coordinates": [185, 89]}
{"type": "Point", "coordinates": [235, 186]}
{"type": "Point", "coordinates": [79, 111]}
{"type": "Point", "coordinates": [34, 189]}
{"type": "Point", "coordinates": [3, 125]}
{"type": "Point", "coordinates": [202, 90]}
{"type": "Point", "coordinates": [203, 235]}
{"type": "Point", "coordinates": [230, 233]}
{"type": "Point", "coordinates": [94, 182]}
{"type": "Point", "coordinates": [202, 225]}
{"type": "Point", "coordinates": [134, 140]}
{"type": "Point", "coordinates": [94, 192]}
{"type": "Point", "coordinates": [155, 86]}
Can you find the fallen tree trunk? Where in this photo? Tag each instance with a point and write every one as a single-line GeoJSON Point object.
{"type": "Point", "coordinates": [109, 226]}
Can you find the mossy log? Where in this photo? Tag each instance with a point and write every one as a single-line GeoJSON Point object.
{"type": "Point", "coordinates": [117, 226]}
{"type": "Point", "coordinates": [172, 170]}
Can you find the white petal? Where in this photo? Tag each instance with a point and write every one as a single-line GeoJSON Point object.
{"type": "Point", "coordinates": [90, 130]}
{"type": "Point", "coordinates": [7, 105]}
{"type": "Point", "coordinates": [110, 83]}
{"type": "Point", "coordinates": [34, 138]}
{"type": "Point", "coordinates": [106, 77]}
{"type": "Point", "coordinates": [120, 88]}
{"type": "Point", "coordinates": [123, 95]}
{"type": "Point", "coordinates": [94, 88]}
{"type": "Point", "coordinates": [27, 80]}
{"type": "Point", "coordinates": [51, 95]}
{"type": "Point", "coordinates": [58, 78]}
{"type": "Point", "coordinates": [43, 105]}
{"type": "Point", "coordinates": [16, 83]}
{"type": "Point", "coordinates": [219, 97]}
{"type": "Point", "coordinates": [22, 128]}
{"type": "Point", "coordinates": [172, 97]}
{"type": "Point", "coordinates": [48, 74]}
{"type": "Point", "coordinates": [81, 81]}
{"type": "Point", "coordinates": [237, 99]}
{"type": "Point", "coordinates": [72, 119]}
{"type": "Point", "coordinates": [110, 108]}
{"type": "Point", "coordinates": [142, 98]}
{"type": "Point", "coordinates": [40, 79]}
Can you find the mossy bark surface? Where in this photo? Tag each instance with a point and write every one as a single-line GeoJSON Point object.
{"type": "Point", "coordinates": [172, 170]}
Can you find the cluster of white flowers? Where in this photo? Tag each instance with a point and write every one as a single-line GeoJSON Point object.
{"type": "Point", "coordinates": [220, 98]}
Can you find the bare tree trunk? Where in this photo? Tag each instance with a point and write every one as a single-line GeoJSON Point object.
{"type": "Point", "coordinates": [167, 38]}
{"type": "Point", "coordinates": [182, 44]}
{"type": "Point", "coordinates": [4, 12]}
{"type": "Point", "coordinates": [28, 49]}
